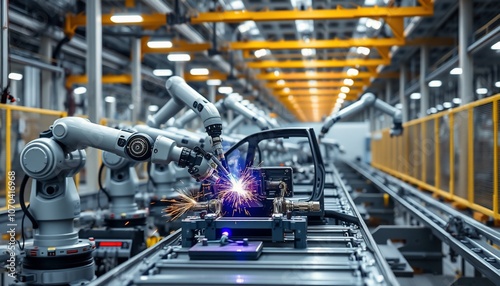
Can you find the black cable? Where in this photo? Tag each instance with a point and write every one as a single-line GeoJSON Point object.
{"type": "Point", "coordinates": [23, 204]}
{"type": "Point", "coordinates": [22, 232]}
{"type": "Point", "coordinates": [101, 187]}
{"type": "Point", "coordinates": [341, 216]}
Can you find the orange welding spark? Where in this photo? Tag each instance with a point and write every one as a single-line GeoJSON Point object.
{"type": "Point", "coordinates": [180, 205]}
{"type": "Point", "coordinates": [127, 222]}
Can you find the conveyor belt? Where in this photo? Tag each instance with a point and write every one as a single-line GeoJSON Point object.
{"type": "Point", "coordinates": [467, 237]}
{"type": "Point", "coordinates": [337, 254]}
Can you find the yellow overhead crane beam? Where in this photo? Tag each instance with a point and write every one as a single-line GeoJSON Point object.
{"type": "Point", "coordinates": [320, 98]}
{"type": "Point", "coordinates": [318, 63]}
{"type": "Point", "coordinates": [318, 84]}
{"type": "Point", "coordinates": [392, 15]}
{"type": "Point", "coordinates": [106, 79]}
{"type": "Point", "coordinates": [323, 75]}
{"type": "Point", "coordinates": [316, 44]}
{"type": "Point", "coordinates": [295, 92]}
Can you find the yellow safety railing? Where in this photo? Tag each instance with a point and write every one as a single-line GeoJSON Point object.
{"type": "Point", "coordinates": [454, 154]}
{"type": "Point", "coordinates": [35, 120]}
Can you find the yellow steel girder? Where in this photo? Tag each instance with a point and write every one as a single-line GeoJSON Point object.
{"type": "Point", "coordinates": [315, 76]}
{"type": "Point", "coordinates": [310, 14]}
{"type": "Point", "coordinates": [319, 91]}
{"type": "Point", "coordinates": [154, 21]}
{"type": "Point", "coordinates": [318, 63]}
{"type": "Point", "coordinates": [106, 79]}
{"type": "Point", "coordinates": [317, 84]}
{"type": "Point", "coordinates": [315, 44]}
{"type": "Point", "coordinates": [322, 99]}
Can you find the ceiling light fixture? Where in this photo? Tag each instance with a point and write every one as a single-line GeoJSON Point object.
{"type": "Point", "coordinates": [280, 82]}
{"type": "Point", "coordinates": [415, 95]}
{"type": "Point", "coordinates": [342, 95]}
{"type": "Point", "coordinates": [457, 100]}
{"type": "Point", "coordinates": [260, 53]}
{"type": "Point", "coordinates": [199, 71]}
{"type": "Point", "coordinates": [307, 52]}
{"type": "Point", "coordinates": [375, 24]}
{"type": "Point", "coordinates": [110, 99]}
{"type": "Point", "coordinates": [496, 46]}
{"type": "Point", "coordinates": [340, 100]}
{"type": "Point", "coordinates": [179, 57]}
{"type": "Point", "coordinates": [363, 51]}
{"type": "Point", "coordinates": [352, 72]}
{"type": "Point", "coordinates": [15, 76]}
{"type": "Point", "coordinates": [399, 106]}
{"type": "Point", "coordinates": [159, 44]}
{"type": "Point", "coordinates": [348, 81]}
{"type": "Point", "coordinates": [162, 72]}
{"type": "Point", "coordinates": [225, 89]}
{"type": "Point", "coordinates": [126, 18]}
{"type": "Point", "coordinates": [435, 83]}
{"type": "Point", "coordinates": [286, 90]}
{"type": "Point", "coordinates": [312, 82]}
{"type": "Point", "coordinates": [345, 89]}
{"type": "Point", "coordinates": [276, 73]}
{"type": "Point", "coordinates": [214, 82]}
{"type": "Point", "coordinates": [80, 90]}
{"type": "Point", "coordinates": [447, 105]}
{"type": "Point", "coordinates": [313, 90]}
{"type": "Point", "coordinates": [153, 108]}
{"type": "Point", "coordinates": [497, 84]}
{"type": "Point", "coordinates": [482, 90]}
{"type": "Point", "coordinates": [456, 71]}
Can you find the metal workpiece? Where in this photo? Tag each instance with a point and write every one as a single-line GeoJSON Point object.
{"type": "Point", "coordinates": [465, 236]}
{"type": "Point", "coordinates": [366, 100]}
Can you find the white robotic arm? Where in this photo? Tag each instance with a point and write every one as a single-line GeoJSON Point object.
{"type": "Point", "coordinates": [367, 100]}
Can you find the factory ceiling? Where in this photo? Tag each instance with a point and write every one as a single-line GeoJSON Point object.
{"type": "Point", "coordinates": [276, 52]}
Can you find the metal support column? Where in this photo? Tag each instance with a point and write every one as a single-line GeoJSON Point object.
{"type": "Point", "coordinates": [31, 95]}
{"type": "Point", "coordinates": [94, 86]}
{"type": "Point", "coordinates": [4, 46]}
{"type": "Point", "coordinates": [47, 89]}
{"type": "Point", "coordinates": [136, 79]}
{"type": "Point", "coordinates": [465, 26]}
{"type": "Point", "coordinates": [212, 89]}
{"type": "Point", "coordinates": [402, 97]}
{"type": "Point", "coordinates": [424, 88]}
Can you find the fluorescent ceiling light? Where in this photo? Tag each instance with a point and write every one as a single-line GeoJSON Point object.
{"type": "Point", "coordinates": [352, 72]}
{"type": "Point", "coordinates": [415, 95]}
{"type": "Point", "coordinates": [375, 24]}
{"type": "Point", "coordinates": [312, 82]}
{"type": "Point", "coordinates": [286, 90]}
{"type": "Point", "coordinates": [179, 57]}
{"type": "Point", "coordinates": [435, 83]}
{"type": "Point", "coordinates": [238, 5]}
{"type": "Point", "coordinates": [159, 44]}
{"type": "Point", "coordinates": [314, 98]}
{"type": "Point", "coordinates": [307, 52]}
{"type": "Point", "coordinates": [80, 90]}
{"type": "Point", "coordinates": [348, 81]}
{"type": "Point", "coordinates": [260, 53]}
{"type": "Point", "coordinates": [497, 84]}
{"type": "Point", "coordinates": [162, 72]}
{"type": "Point", "coordinates": [340, 100]}
{"type": "Point", "coordinates": [447, 104]}
{"type": "Point", "coordinates": [496, 46]}
{"type": "Point", "coordinates": [342, 95]}
{"type": "Point", "coordinates": [199, 71]}
{"type": "Point", "coordinates": [290, 97]}
{"type": "Point", "coordinates": [399, 106]}
{"type": "Point", "coordinates": [225, 89]}
{"type": "Point", "coordinates": [126, 18]}
{"type": "Point", "coordinates": [276, 73]}
{"type": "Point", "coordinates": [280, 82]}
{"type": "Point", "coordinates": [15, 76]}
{"type": "Point", "coordinates": [110, 99]}
{"type": "Point", "coordinates": [153, 108]}
{"type": "Point", "coordinates": [313, 90]}
{"type": "Point", "coordinates": [433, 110]}
{"type": "Point", "coordinates": [457, 100]}
{"type": "Point", "coordinates": [130, 106]}
{"type": "Point", "coordinates": [456, 71]}
{"type": "Point", "coordinates": [214, 82]}
{"type": "Point", "coordinates": [345, 89]}
{"type": "Point", "coordinates": [363, 51]}
{"type": "Point", "coordinates": [482, 90]}
{"type": "Point", "coordinates": [439, 107]}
